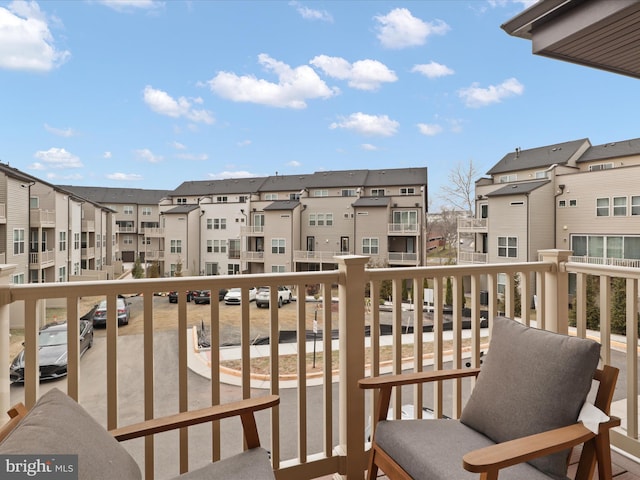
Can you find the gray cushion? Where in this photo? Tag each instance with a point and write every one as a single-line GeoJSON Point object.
{"type": "Point", "coordinates": [253, 464]}
{"type": "Point", "coordinates": [433, 450]}
{"type": "Point", "coordinates": [531, 381]}
{"type": "Point", "coordinates": [58, 425]}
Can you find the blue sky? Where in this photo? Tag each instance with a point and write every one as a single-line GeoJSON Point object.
{"type": "Point", "coordinates": [148, 94]}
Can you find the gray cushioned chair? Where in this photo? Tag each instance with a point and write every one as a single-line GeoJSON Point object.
{"type": "Point", "coordinates": [57, 424]}
{"type": "Point", "coordinates": [520, 421]}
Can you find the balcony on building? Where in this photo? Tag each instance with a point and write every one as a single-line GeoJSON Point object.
{"type": "Point", "coordinates": [88, 252]}
{"type": "Point", "coordinates": [252, 256]}
{"type": "Point", "coordinates": [472, 225]}
{"type": "Point", "coordinates": [154, 232]}
{"type": "Point", "coordinates": [88, 225]}
{"type": "Point", "coordinates": [40, 218]}
{"type": "Point", "coordinates": [154, 255]}
{"type": "Point", "coordinates": [252, 230]}
{"type": "Point", "coordinates": [40, 260]}
{"type": "Point", "coordinates": [466, 258]}
{"type": "Point", "coordinates": [318, 431]}
{"type": "Point", "coordinates": [403, 258]}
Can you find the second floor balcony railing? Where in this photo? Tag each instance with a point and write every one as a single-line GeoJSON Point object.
{"type": "Point", "coordinates": [42, 259]}
{"type": "Point", "coordinates": [472, 225]}
{"type": "Point", "coordinates": [252, 230]}
{"type": "Point", "coordinates": [472, 257]}
{"type": "Point", "coordinates": [319, 428]}
{"type": "Point", "coordinates": [42, 218]}
{"type": "Point", "coordinates": [396, 258]}
{"type": "Point", "coordinates": [403, 228]}
{"type": "Point", "coordinates": [251, 256]}
{"type": "Point", "coordinates": [316, 256]}
{"type": "Point", "coordinates": [152, 231]}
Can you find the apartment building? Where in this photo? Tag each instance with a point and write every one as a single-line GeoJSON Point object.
{"type": "Point", "coordinates": [570, 195]}
{"type": "Point", "coordinates": [136, 215]}
{"type": "Point", "coordinates": [285, 223]}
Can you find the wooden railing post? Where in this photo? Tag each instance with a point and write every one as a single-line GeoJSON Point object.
{"type": "Point", "coordinates": [556, 284]}
{"type": "Point", "coordinates": [5, 306]}
{"type": "Point", "coordinates": [351, 323]}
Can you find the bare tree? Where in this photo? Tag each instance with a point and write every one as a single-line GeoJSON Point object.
{"type": "Point", "coordinates": [459, 192]}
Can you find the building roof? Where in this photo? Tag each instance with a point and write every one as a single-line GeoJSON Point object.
{"type": "Point", "coordinates": [181, 209]}
{"type": "Point", "coordinates": [521, 188]}
{"type": "Point", "coordinates": [215, 187]}
{"type": "Point", "coordinates": [338, 178]}
{"type": "Point", "coordinates": [112, 195]}
{"type": "Point", "coordinates": [397, 176]}
{"type": "Point", "coordinates": [625, 148]}
{"type": "Point", "coordinates": [278, 183]}
{"type": "Point", "coordinates": [372, 202]}
{"type": "Point", "coordinates": [541, 157]}
{"type": "Point", "coordinates": [602, 34]}
{"type": "Point", "coordinates": [282, 205]}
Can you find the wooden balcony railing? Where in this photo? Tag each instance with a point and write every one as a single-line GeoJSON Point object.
{"type": "Point", "coordinates": [319, 428]}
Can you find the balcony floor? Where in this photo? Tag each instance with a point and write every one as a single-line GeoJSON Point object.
{"type": "Point", "coordinates": [623, 468]}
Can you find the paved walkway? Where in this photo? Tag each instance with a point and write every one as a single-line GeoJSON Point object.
{"type": "Point", "coordinates": [200, 359]}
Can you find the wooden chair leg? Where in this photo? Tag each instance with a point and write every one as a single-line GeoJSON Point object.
{"type": "Point", "coordinates": [372, 471]}
{"type": "Point", "coordinates": [587, 463]}
{"type": "Point", "coordinates": [603, 454]}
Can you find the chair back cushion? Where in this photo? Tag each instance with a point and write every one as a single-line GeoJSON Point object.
{"type": "Point", "coordinates": [58, 425]}
{"type": "Point", "coordinates": [531, 381]}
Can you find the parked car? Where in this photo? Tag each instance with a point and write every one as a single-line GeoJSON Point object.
{"type": "Point", "coordinates": [173, 296]}
{"type": "Point", "coordinates": [262, 296]}
{"type": "Point", "coordinates": [233, 296]}
{"type": "Point", "coordinates": [52, 341]}
{"type": "Point", "coordinates": [201, 296]}
{"type": "Point", "coordinates": [100, 313]}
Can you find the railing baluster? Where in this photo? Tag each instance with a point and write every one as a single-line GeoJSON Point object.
{"type": "Point", "coordinates": [632, 357]}
{"type": "Point", "coordinates": [302, 372]}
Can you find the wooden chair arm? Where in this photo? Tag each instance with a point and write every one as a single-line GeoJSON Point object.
{"type": "Point", "coordinates": [417, 377]}
{"type": "Point", "coordinates": [16, 413]}
{"type": "Point", "coordinates": [244, 408]}
{"type": "Point", "coordinates": [506, 454]}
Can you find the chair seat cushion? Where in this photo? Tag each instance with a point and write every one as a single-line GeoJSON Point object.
{"type": "Point", "coordinates": [433, 450]}
{"type": "Point", "coordinates": [58, 425]}
{"type": "Point", "coordinates": [253, 464]}
{"type": "Point", "coordinates": [531, 381]}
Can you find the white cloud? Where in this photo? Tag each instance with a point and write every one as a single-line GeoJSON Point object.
{"type": "Point", "coordinates": [231, 174]}
{"type": "Point", "coordinates": [130, 5]}
{"type": "Point", "coordinates": [433, 70]}
{"type": "Point", "coordinates": [193, 156]}
{"type": "Point", "coordinates": [26, 43]}
{"type": "Point", "coordinates": [148, 156]}
{"type": "Point", "coordinates": [379, 125]}
{"type": "Point", "coordinates": [294, 164]}
{"type": "Point", "coordinates": [178, 146]}
{"type": "Point", "coordinates": [244, 143]}
{"type": "Point", "coordinates": [429, 129]}
{"type": "Point", "coordinates": [61, 132]}
{"type": "Point", "coordinates": [294, 87]}
{"type": "Point", "coordinates": [475, 97]}
{"type": "Point", "coordinates": [58, 158]}
{"type": "Point", "coordinates": [503, 3]}
{"type": "Point", "coordinates": [106, 155]}
{"type": "Point", "coordinates": [368, 146]}
{"type": "Point", "coordinates": [400, 29]}
{"type": "Point", "coordinates": [51, 176]}
{"type": "Point", "coordinates": [126, 177]}
{"type": "Point", "coordinates": [363, 74]}
{"type": "Point", "coordinates": [161, 102]}
{"type": "Point", "coordinates": [312, 14]}
{"type": "Point", "coordinates": [36, 166]}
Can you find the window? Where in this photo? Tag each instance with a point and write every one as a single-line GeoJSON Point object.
{"type": "Point", "coordinates": [258, 220]}
{"type": "Point", "coordinates": [484, 210]}
{"type": "Point", "coordinates": [348, 192]}
{"type": "Point", "coordinates": [34, 202]}
{"type": "Point", "coordinates": [320, 219]}
{"type": "Point", "coordinates": [221, 199]}
{"type": "Point", "coordinates": [573, 203]}
{"type": "Point", "coordinates": [234, 248]}
{"type": "Point", "coordinates": [219, 223]}
{"type": "Point", "coordinates": [562, 203]}
{"type": "Point", "coordinates": [377, 192]}
{"type": "Point", "coordinates": [635, 205]}
{"type": "Point", "coordinates": [128, 210]}
{"type": "Point", "coordinates": [18, 241]}
{"type": "Point", "coordinates": [62, 241]}
{"type": "Point", "coordinates": [62, 274]}
{"type": "Point", "coordinates": [233, 269]}
{"type": "Point", "coordinates": [542, 174]}
{"type": "Point", "coordinates": [219, 246]}
{"type": "Point", "coordinates": [294, 196]}
{"type": "Point", "coordinates": [176, 246]}
{"type": "Point", "coordinates": [619, 206]}
{"type": "Point", "coordinates": [277, 269]}
{"type": "Point", "coordinates": [209, 246]}
{"type": "Point", "coordinates": [600, 166]}
{"type": "Point", "coordinates": [17, 279]}
{"type": "Point", "coordinates": [76, 241]}
{"type": "Point", "coordinates": [210, 268]}
{"type": "Point", "coordinates": [243, 198]}
{"type": "Point", "coordinates": [508, 247]}
{"type": "Point", "coordinates": [407, 191]}
{"type": "Point", "coordinates": [146, 240]}
{"type": "Point", "coordinates": [270, 196]}
{"type": "Point", "coordinates": [76, 268]}
{"type": "Point", "coordinates": [278, 245]}
{"type": "Point", "coordinates": [321, 193]}
{"type": "Point", "coordinates": [181, 201]}
{"type": "Point", "coordinates": [508, 178]}
{"type": "Point", "coordinates": [127, 240]}
{"type": "Point", "coordinates": [209, 223]}
{"type": "Point", "coordinates": [146, 211]}
{"type": "Point", "coordinates": [602, 207]}
{"type": "Point", "coordinates": [407, 218]}
{"type": "Point", "coordinates": [370, 246]}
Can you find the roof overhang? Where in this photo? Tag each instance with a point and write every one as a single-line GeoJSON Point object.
{"type": "Point", "coordinates": [603, 34]}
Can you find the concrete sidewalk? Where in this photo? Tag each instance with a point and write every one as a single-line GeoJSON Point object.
{"type": "Point", "coordinates": [200, 359]}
